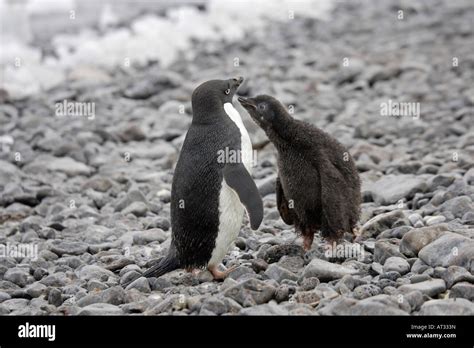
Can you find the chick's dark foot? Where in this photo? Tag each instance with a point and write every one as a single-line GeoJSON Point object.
{"type": "Point", "coordinates": [308, 242]}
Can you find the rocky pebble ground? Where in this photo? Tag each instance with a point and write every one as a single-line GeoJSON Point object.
{"type": "Point", "coordinates": [93, 195]}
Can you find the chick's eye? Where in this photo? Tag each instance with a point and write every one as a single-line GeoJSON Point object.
{"type": "Point", "coordinates": [227, 91]}
{"type": "Point", "coordinates": [262, 107]}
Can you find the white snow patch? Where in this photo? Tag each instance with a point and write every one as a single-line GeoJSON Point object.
{"type": "Point", "coordinates": [149, 38]}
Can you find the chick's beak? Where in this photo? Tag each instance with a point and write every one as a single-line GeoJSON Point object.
{"type": "Point", "coordinates": [247, 103]}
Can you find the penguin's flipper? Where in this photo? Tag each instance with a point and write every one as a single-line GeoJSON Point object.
{"type": "Point", "coordinates": [282, 204]}
{"type": "Point", "coordinates": [239, 179]}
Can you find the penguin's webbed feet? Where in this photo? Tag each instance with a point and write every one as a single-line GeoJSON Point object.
{"type": "Point", "coordinates": [218, 274]}
{"type": "Point", "coordinates": [193, 271]}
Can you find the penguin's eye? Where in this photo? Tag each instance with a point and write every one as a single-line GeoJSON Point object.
{"type": "Point", "coordinates": [262, 107]}
{"type": "Point", "coordinates": [227, 91]}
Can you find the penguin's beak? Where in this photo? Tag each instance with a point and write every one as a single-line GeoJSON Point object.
{"type": "Point", "coordinates": [247, 103]}
{"type": "Point", "coordinates": [238, 81]}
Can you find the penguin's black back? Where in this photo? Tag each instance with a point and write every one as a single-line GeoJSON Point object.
{"type": "Point", "coordinates": [196, 185]}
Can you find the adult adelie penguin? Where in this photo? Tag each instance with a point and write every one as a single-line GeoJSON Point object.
{"type": "Point", "coordinates": [318, 186]}
{"type": "Point", "coordinates": [212, 185]}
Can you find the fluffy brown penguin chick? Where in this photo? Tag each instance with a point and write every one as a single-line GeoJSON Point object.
{"type": "Point", "coordinates": [318, 186]}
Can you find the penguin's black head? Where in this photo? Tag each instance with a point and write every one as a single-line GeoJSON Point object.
{"type": "Point", "coordinates": [264, 109]}
{"type": "Point", "coordinates": [214, 94]}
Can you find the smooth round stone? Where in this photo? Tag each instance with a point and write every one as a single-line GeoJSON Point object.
{"type": "Point", "coordinates": [396, 264]}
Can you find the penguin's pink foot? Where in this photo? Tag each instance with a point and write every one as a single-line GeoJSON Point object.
{"type": "Point", "coordinates": [220, 275]}
{"type": "Point", "coordinates": [193, 271]}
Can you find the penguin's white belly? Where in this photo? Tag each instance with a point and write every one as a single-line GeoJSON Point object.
{"type": "Point", "coordinates": [231, 211]}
